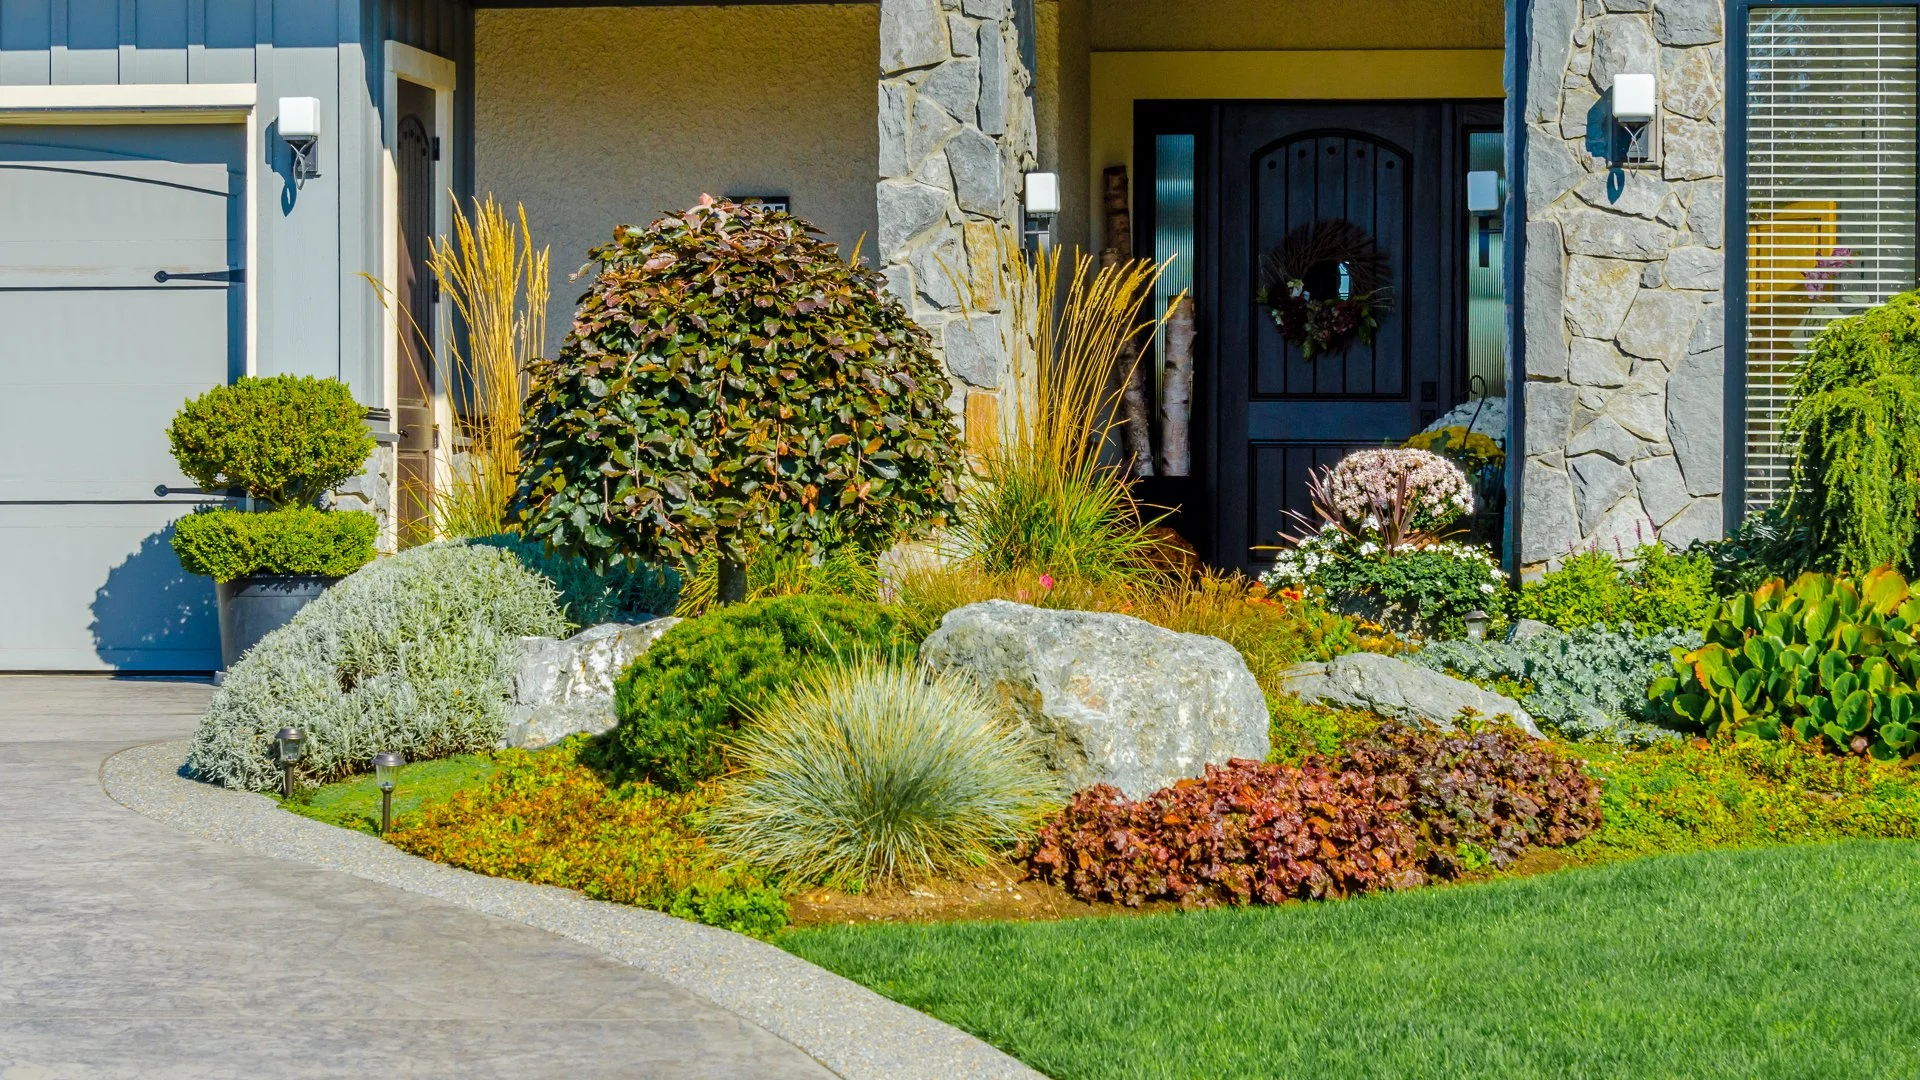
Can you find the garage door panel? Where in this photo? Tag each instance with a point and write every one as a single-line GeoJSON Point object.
{"type": "Point", "coordinates": [97, 359]}
{"type": "Point", "coordinates": [102, 588]}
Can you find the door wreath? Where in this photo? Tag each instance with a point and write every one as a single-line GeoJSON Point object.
{"type": "Point", "coordinates": [1326, 287]}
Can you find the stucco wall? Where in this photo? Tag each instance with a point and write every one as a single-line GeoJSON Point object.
{"type": "Point", "coordinates": [599, 117]}
{"type": "Point", "coordinates": [1207, 25]}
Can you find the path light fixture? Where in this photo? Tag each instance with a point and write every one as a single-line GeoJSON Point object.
{"type": "Point", "coordinates": [293, 743]}
{"type": "Point", "coordinates": [386, 772]}
{"type": "Point", "coordinates": [1477, 621]}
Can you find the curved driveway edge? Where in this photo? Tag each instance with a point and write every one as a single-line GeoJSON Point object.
{"type": "Point", "coordinates": [850, 1029]}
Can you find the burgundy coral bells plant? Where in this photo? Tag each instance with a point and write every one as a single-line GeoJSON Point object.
{"type": "Point", "coordinates": [1247, 832]}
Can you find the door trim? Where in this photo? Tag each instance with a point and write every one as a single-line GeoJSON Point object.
{"type": "Point", "coordinates": [163, 103]}
{"type": "Point", "coordinates": [440, 75]}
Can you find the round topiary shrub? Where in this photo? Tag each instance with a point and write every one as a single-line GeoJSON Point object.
{"type": "Point", "coordinates": [680, 705]}
{"type": "Point", "coordinates": [286, 440]}
{"type": "Point", "coordinates": [880, 771]}
{"type": "Point", "coordinates": [731, 383]}
{"type": "Point", "coordinates": [415, 653]}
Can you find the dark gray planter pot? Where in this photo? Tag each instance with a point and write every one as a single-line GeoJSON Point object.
{"type": "Point", "coordinates": [254, 606]}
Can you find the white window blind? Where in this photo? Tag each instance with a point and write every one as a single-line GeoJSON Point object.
{"type": "Point", "coordinates": [1830, 195]}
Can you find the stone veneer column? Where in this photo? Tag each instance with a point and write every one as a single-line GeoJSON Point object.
{"type": "Point", "coordinates": [1623, 282]}
{"type": "Point", "coordinates": [956, 136]}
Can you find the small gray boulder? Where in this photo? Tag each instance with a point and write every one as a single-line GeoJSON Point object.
{"type": "Point", "coordinates": [1116, 700]}
{"type": "Point", "coordinates": [565, 688]}
{"type": "Point", "coordinates": [1399, 691]}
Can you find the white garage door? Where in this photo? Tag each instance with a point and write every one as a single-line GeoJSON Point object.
{"type": "Point", "coordinates": [120, 254]}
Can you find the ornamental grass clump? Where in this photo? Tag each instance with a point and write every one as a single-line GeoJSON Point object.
{"type": "Point", "coordinates": [731, 382]}
{"type": "Point", "coordinates": [415, 653]}
{"type": "Point", "coordinates": [880, 771]}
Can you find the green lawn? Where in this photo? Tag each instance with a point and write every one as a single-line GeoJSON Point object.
{"type": "Point", "coordinates": [1782, 962]}
{"type": "Point", "coordinates": [355, 804]}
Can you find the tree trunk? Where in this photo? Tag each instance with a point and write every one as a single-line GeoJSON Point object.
{"type": "Point", "coordinates": [1176, 394]}
{"type": "Point", "coordinates": [732, 585]}
{"type": "Point", "coordinates": [1136, 404]}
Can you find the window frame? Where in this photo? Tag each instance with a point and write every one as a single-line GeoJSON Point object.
{"type": "Point", "coordinates": [1733, 486]}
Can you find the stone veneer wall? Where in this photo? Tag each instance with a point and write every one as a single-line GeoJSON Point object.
{"type": "Point", "coordinates": [956, 135]}
{"type": "Point", "coordinates": [1623, 282]}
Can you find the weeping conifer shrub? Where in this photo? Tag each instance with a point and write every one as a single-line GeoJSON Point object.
{"type": "Point", "coordinates": [1855, 427]}
{"type": "Point", "coordinates": [880, 771]}
{"type": "Point", "coordinates": [1046, 498]}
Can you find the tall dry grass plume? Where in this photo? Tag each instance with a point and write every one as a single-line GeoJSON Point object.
{"type": "Point", "coordinates": [1049, 495]}
{"type": "Point", "coordinates": [498, 284]}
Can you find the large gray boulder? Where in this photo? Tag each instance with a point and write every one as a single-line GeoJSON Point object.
{"type": "Point", "coordinates": [1399, 691]}
{"type": "Point", "coordinates": [565, 688]}
{"type": "Point", "coordinates": [1115, 700]}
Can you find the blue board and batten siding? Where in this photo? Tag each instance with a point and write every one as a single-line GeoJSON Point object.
{"type": "Point", "coordinates": [316, 314]}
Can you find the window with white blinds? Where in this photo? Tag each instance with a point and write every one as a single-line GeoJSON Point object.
{"type": "Point", "coordinates": [1831, 193]}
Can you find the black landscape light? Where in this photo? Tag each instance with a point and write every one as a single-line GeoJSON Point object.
{"type": "Point", "coordinates": [293, 743]}
{"type": "Point", "coordinates": [386, 771]}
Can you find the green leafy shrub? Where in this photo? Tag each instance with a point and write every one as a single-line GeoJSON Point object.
{"type": "Point", "coordinates": [681, 704]}
{"type": "Point", "coordinates": [729, 381]}
{"type": "Point", "coordinates": [1683, 796]}
{"type": "Point", "coordinates": [229, 544]}
{"type": "Point", "coordinates": [286, 440]}
{"type": "Point", "coordinates": [415, 653]}
{"type": "Point", "coordinates": [1590, 683]}
{"type": "Point", "coordinates": [1827, 657]}
{"type": "Point", "coordinates": [1481, 798]}
{"type": "Point", "coordinates": [832, 569]}
{"type": "Point", "coordinates": [1297, 730]}
{"type": "Point", "coordinates": [1246, 832]}
{"type": "Point", "coordinates": [545, 818]}
{"type": "Point", "coordinates": [879, 771]}
{"type": "Point", "coordinates": [1855, 430]}
{"type": "Point", "coordinates": [621, 593]}
{"type": "Point", "coordinates": [1767, 544]}
{"type": "Point", "coordinates": [1423, 590]}
{"type": "Point", "coordinates": [1659, 589]}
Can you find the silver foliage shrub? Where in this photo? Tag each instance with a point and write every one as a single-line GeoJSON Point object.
{"type": "Point", "coordinates": [1588, 684]}
{"type": "Point", "coordinates": [414, 653]}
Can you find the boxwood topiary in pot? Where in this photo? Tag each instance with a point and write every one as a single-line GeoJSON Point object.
{"type": "Point", "coordinates": [286, 442]}
{"type": "Point", "coordinates": [729, 383]}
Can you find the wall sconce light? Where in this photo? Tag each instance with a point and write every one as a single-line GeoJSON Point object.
{"type": "Point", "coordinates": [386, 772]}
{"type": "Point", "coordinates": [1632, 100]}
{"type": "Point", "coordinates": [1042, 198]}
{"type": "Point", "coordinates": [293, 742]}
{"type": "Point", "coordinates": [1483, 202]}
{"type": "Point", "coordinates": [299, 127]}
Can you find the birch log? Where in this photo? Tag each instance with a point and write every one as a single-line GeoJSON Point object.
{"type": "Point", "coordinates": [1135, 405]}
{"type": "Point", "coordinates": [1176, 393]}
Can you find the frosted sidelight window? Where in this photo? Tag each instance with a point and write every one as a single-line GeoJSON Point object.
{"type": "Point", "coordinates": [1830, 196]}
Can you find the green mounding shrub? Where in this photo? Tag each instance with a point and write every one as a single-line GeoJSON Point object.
{"type": "Point", "coordinates": [1659, 589]}
{"type": "Point", "coordinates": [544, 817]}
{"type": "Point", "coordinates": [286, 440]}
{"type": "Point", "coordinates": [1427, 592]}
{"type": "Point", "coordinates": [731, 381]}
{"type": "Point", "coordinates": [1589, 683]}
{"type": "Point", "coordinates": [682, 703]}
{"type": "Point", "coordinates": [879, 771]}
{"type": "Point", "coordinates": [1855, 430]}
{"type": "Point", "coordinates": [415, 653]}
{"type": "Point", "coordinates": [1826, 658]}
{"type": "Point", "coordinates": [229, 544]}
{"type": "Point", "coordinates": [589, 597]}
{"type": "Point", "coordinates": [1297, 730]}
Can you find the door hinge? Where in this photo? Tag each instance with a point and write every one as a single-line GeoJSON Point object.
{"type": "Point", "coordinates": [433, 283]}
{"type": "Point", "coordinates": [436, 148]}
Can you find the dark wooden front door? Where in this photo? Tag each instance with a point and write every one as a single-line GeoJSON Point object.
{"type": "Point", "coordinates": [1386, 168]}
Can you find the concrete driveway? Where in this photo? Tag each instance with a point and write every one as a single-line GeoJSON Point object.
{"type": "Point", "coordinates": [129, 949]}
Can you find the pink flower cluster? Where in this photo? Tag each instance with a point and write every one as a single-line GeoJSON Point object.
{"type": "Point", "coordinates": [1437, 488]}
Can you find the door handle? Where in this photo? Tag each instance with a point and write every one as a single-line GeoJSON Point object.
{"type": "Point", "coordinates": [237, 274]}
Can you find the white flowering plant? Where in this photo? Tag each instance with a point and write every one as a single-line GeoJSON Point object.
{"type": "Point", "coordinates": [1406, 492]}
{"type": "Point", "coordinates": [1424, 591]}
